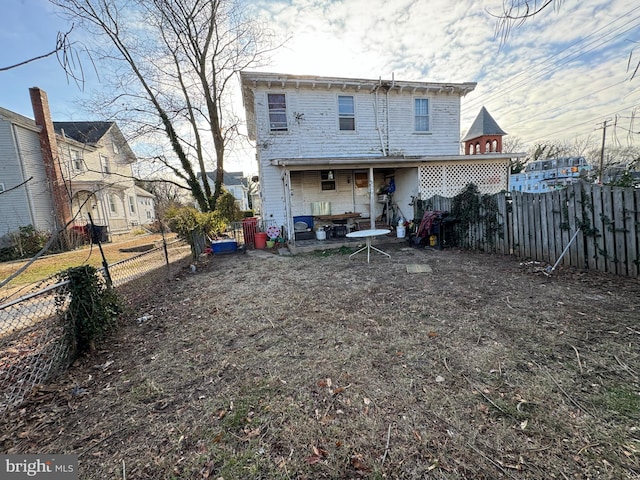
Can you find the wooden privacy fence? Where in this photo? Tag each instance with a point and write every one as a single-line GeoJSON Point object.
{"type": "Point", "coordinates": [490, 234]}
{"type": "Point", "coordinates": [540, 226]}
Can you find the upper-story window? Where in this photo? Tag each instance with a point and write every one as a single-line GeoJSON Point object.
{"type": "Point", "coordinates": [422, 123]}
{"type": "Point", "coordinates": [346, 112]}
{"type": "Point", "coordinates": [106, 164]}
{"type": "Point", "coordinates": [116, 149]}
{"type": "Point", "coordinates": [132, 204]}
{"type": "Point", "coordinates": [76, 160]}
{"type": "Point", "coordinates": [2, 189]}
{"type": "Point", "coordinates": [277, 112]}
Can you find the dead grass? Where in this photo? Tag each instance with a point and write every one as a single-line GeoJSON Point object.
{"type": "Point", "coordinates": [315, 366]}
{"type": "Point", "coordinates": [49, 265]}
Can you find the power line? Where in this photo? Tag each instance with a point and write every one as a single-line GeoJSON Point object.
{"type": "Point", "coordinates": [541, 69]}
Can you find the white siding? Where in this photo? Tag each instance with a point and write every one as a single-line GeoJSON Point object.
{"type": "Point", "coordinates": [384, 124]}
{"type": "Point", "coordinates": [20, 158]}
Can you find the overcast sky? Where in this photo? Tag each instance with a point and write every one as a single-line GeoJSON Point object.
{"type": "Point", "coordinates": [559, 76]}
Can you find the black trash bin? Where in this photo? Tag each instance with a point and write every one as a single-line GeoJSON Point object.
{"type": "Point", "coordinates": [99, 233]}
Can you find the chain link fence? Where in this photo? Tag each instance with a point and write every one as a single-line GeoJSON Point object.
{"type": "Point", "coordinates": [32, 334]}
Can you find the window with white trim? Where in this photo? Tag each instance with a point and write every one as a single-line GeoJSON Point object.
{"type": "Point", "coordinates": [106, 164]}
{"type": "Point", "coordinates": [132, 204]}
{"type": "Point", "coordinates": [2, 189]}
{"type": "Point", "coordinates": [277, 112]}
{"type": "Point", "coordinates": [421, 112]}
{"type": "Point", "coordinates": [112, 203]}
{"type": "Point", "coordinates": [76, 160]}
{"type": "Point", "coordinates": [346, 112]}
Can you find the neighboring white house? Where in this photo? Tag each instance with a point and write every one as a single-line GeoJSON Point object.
{"type": "Point", "coordinates": [58, 173]}
{"type": "Point", "coordinates": [146, 206]}
{"type": "Point", "coordinates": [235, 183]}
{"type": "Point", "coordinates": [338, 141]}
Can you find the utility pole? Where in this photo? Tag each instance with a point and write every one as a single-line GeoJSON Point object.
{"type": "Point", "coordinates": [604, 136]}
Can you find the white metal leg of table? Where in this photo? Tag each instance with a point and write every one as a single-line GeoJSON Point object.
{"type": "Point", "coordinates": [369, 247]}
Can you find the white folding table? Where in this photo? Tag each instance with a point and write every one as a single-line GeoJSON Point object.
{"type": "Point", "coordinates": [368, 235]}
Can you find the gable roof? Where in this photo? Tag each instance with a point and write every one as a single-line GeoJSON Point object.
{"type": "Point", "coordinates": [83, 132]}
{"type": "Point", "coordinates": [141, 192]}
{"type": "Point", "coordinates": [228, 178]}
{"type": "Point", "coordinates": [484, 124]}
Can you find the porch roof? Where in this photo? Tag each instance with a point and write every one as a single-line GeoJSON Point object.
{"type": "Point", "coordinates": [386, 162]}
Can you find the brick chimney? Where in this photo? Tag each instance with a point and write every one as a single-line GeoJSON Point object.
{"type": "Point", "coordinates": [50, 156]}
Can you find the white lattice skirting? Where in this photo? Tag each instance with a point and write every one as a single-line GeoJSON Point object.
{"type": "Point", "coordinates": [448, 179]}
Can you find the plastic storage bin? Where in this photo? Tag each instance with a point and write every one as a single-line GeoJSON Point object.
{"type": "Point", "coordinates": [223, 246]}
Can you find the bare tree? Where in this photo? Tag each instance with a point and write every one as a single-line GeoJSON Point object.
{"type": "Point", "coordinates": [516, 12]}
{"type": "Point", "coordinates": [173, 64]}
{"type": "Point", "coordinates": [67, 54]}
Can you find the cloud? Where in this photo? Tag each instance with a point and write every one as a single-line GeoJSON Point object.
{"type": "Point", "coordinates": [559, 70]}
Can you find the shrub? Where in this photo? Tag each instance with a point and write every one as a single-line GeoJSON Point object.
{"type": "Point", "coordinates": [93, 309]}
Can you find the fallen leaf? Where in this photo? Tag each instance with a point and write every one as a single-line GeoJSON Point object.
{"type": "Point", "coordinates": [417, 435]}
{"type": "Point", "coordinates": [312, 459]}
{"type": "Point", "coordinates": [325, 382]}
{"type": "Point", "coordinates": [338, 390]}
{"type": "Point", "coordinates": [359, 464]}
{"type": "Point", "coordinates": [253, 433]}
{"type": "Point", "coordinates": [432, 334]}
{"type": "Point", "coordinates": [320, 452]}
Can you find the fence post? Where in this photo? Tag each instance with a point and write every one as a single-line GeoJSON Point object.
{"type": "Point", "coordinates": [104, 260]}
{"type": "Point", "coordinates": [164, 247]}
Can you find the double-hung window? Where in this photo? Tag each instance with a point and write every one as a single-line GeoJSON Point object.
{"type": "Point", "coordinates": [112, 203]}
{"type": "Point", "coordinates": [346, 112]}
{"type": "Point", "coordinates": [76, 159]}
{"type": "Point", "coordinates": [277, 112]}
{"type": "Point", "coordinates": [422, 121]}
{"type": "Point", "coordinates": [132, 204]}
{"type": "Point", "coordinates": [106, 164]}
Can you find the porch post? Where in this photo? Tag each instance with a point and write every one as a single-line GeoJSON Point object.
{"type": "Point", "coordinates": [372, 200]}
{"type": "Point", "coordinates": [286, 179]}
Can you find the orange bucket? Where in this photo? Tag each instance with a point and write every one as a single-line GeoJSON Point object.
{"type": "Point", "coordinates": [261, 240]}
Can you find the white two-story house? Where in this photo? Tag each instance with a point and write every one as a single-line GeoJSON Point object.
{"type": "Point", "coordinates": [58, 173]}
{"type": "Point", "coordinates": [333, 145]}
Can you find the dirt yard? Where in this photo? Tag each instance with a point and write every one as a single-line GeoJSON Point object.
{"type": "Point", "coordinates": [317, 366]}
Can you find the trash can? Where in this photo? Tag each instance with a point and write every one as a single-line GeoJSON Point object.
{"type": "Point", "coordinates": [249, 226]}
{"type": "Point", "coordinates": [99, 233]}
{"type": "Point", "coordinates": [261, 240]}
